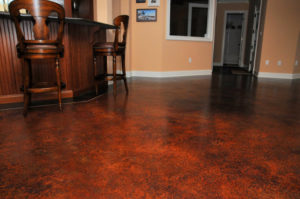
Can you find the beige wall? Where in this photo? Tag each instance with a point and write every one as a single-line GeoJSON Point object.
{"type": "Point", "coordinates": [281, 36]}
{"type": "Point", "coordinates": [152, 52]}
{"type": "Point", "coordinates": [220, 17]}
{"type": "Point", "coordinates": [148, 48]}
{"type": "Point", "coordinates": [103, 11]}
{"type": "Point", "coordinates": [116, 8]}
{"type": "Point", "coordinates": [146, 41]}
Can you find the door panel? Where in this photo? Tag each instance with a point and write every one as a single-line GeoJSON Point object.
{"type": "Point", "coordinates": [233, 36]}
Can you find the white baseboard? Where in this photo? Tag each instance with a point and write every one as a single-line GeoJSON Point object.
{"type": "Point", "coordinates": [166, 74]}
{"type": "Point", "coordinates": [243, 66]}
{"type": "Point", "coordinates": [218, 64]}
{"type": "Point", "coordinates": [233, 1]}
{"type": "Point", "coordinates": [278, 75]}
{"type": "Point", "coordinates": [296, 76]}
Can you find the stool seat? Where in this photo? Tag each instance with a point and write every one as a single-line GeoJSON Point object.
{"type": "Point", "coordinates": [108, 47]}
{"type": "Point", "coordinates": [48, 49]}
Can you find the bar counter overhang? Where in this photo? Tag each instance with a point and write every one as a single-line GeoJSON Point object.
{"type": "Point", "coordinates": [76, 65]}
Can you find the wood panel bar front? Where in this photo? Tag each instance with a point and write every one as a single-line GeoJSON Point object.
{"type": "Point", "coordinates": [76, 65]}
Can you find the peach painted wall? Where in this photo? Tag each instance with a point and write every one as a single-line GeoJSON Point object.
{"type": "Point", "coordinates": [221, 8]}
{"type": "Point", "coordinates": [152, 52]}
{"type": "Point", "coordinates": [103, 11]}
{"type": "Point", "coordinates": [175, 54]}
{"type": "Point", "coordinates": [147, 37]}
{"type": "Point", "coordinates": [281, 36]}
{"type": "Point", "coordinates": [116, 8]}
{"type": "Point", "coordinates": [148, 49]}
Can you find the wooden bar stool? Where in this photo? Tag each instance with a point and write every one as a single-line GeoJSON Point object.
{"type": "Point", "coordinates": [113, 49]}
{"type": "Point", "coordinates": [41, 47]}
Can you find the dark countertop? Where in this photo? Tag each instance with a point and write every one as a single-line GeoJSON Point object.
{"type": "Point", "coordinates": [68, 20]}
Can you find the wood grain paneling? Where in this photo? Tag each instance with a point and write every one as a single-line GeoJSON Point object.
{"type": "Point", "coordinates": [10, 65]}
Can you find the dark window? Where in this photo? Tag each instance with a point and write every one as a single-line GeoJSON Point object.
{"type": "Point", "coordinates": [189, 18]}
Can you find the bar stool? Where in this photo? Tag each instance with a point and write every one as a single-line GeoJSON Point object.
{"type": "Point", "coordinates": [41, 47]}
{"type": "Point", "coordinates": [113, 49]}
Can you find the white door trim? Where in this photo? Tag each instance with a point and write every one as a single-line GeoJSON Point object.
{"type": "Point", "coordinates": [253, 38]}
{"type": "Point", "coordinates": [257, 39]}
{"type": "Point", "coordinates": [244, 31]}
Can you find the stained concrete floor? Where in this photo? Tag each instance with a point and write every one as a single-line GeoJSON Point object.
{"type": "Point", "coordinates": [223, 136]}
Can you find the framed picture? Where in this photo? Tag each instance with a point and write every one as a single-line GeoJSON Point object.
{"type": "Point", "coordinates": [140, 1]}
{"type": "Point", "coordinates": [153, 2]}
{"type": "Point", "coordinates": [146, 15]}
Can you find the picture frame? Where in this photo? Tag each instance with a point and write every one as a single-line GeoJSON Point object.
{"type": "Point", "coordinates": [140, 1]}
{"type": "Point", "coordinates": [153, 3]}
{"type": "Point", "coordinates": [146, 15]}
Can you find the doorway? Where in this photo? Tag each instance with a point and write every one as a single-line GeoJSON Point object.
{"type": "Point", "coordinates": [234, 38]}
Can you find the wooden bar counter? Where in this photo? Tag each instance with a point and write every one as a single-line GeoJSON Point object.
{"type": "Point", "coordinates": [76, 65]}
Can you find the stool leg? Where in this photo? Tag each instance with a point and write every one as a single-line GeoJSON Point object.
{"type": "Point", "coordinates": [26, 81]}
{"type": "Point", "coordinates": [30, 80]}
{"type": "Point", "coordinates": [95, 74]}
{"type": "Point", "coordinates": [58, 80]}
{"type": "Point", "coordinates": [115, 75]}
{"type": "Point", "coordinates": [124, 73]}
{"type": "Point", "coordinates": [105, 72]}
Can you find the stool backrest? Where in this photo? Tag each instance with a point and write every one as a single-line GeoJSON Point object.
{"type": "Point", "coordinates": [118, 22]}
{"type": "Point", "coordinates": [40, 11]}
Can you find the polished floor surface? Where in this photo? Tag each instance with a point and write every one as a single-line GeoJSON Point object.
{"type": "Point", "coordinates": [225, 136]}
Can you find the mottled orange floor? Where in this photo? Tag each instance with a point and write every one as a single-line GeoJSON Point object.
{"type": "Point", "coordinates": [200, 137]}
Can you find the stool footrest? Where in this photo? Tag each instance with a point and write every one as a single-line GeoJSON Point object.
{"type": "Point", "coordinates": [43, 87]}
{"type": "Point", "coordinates": [42, 90]}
